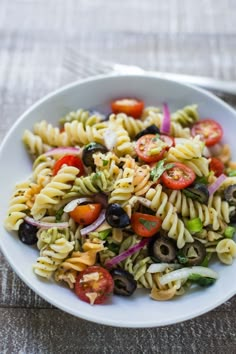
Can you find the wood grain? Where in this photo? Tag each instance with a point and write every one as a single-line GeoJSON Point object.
{"type": "Point", "coordinates": [36, 37]}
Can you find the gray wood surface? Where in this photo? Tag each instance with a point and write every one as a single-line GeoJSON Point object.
{"type": "Point", "coordinates": [37, 38]}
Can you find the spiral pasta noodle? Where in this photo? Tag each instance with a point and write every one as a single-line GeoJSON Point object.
{"type": "Point", "coordinates": [82, 116]}
{"type": "Point", "coordinates": [18, 207]}
{"type": "Point", "coordinates": [186, 116]}
{"type": "Point", "coordinates": [52, 256]}
{"type": "Point", "coordinates": [226, 251]}
{"type": "Point", "coordinates": [53, 191]}
{"type": "Point", "coordinates": [34, 143]}
{"type": "Point", "coordinates": [51, 135]}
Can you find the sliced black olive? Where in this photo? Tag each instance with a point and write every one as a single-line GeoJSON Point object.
{"type": "Point", "coordinates": [162, 249]}
{"type": "Point", "coordinates": [116, 216]}
{"type": "Point", "coordinates": [230, 194]}
{"type": "Point", "coordinates": [199, 250]}
{"type": "Point", "coordinates": [152, 129]}
{"type": "Point", "coordinates": [89, 150]}
{"type": "Point", "coordinates": [124, 282]}
{"type": "Point", "coordinates": [198, 192]}
{"type": "Point", "coordinates": [27, 233]}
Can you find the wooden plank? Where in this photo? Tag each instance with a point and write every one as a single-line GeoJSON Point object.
{"type": "Point", "coordinates": [51, 331]}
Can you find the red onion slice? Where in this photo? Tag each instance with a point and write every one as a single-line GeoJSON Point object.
{"type": "Point", "coordinates": [86, 230]}
{"type": "Point", "coordinates": [214, 186]}
{"type": "Point", "coordinates": [165, 126]}
{"type": "Point", "coordinates": [74, 203]}
{"type": "Point", "coordinates": [110, 139]}
{"type": "Point", "coordinates": [63, 150]}
{"type": "Point", "coordinates": [46, 225]}
{"type": "Point", "coordinates": [110, 263]}
{"type": "Point", "coordinates": [101, 198]}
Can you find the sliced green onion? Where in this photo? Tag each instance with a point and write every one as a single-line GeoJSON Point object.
{"type": "Point", "coordinates": [103, 234]}
{"type": "Point", "coordinates": [229, 232]}
{"type": "Point", "coordinates": [200, 280]}
{"type": "Point", "coordinates": [206, 260]}
{"type": "Point", "coordinates": [232, 173]}
{"type": "Point", "coordinates": [194, 225]}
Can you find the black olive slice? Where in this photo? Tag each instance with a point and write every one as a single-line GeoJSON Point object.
{"type": "Point", "coordinates": [89, 150]}
{"type": "Point", "coordinates": [198, 192]}
{"type": "Point", "coordinates": [116, 216]}
{"type": "Point", "coordinates": [152, 129]}
{"type": "Point", "coordinates": [162, 249]}
{"type": "Point", "coordinates": [27, 233]}
{"type": "Point", "coordinates": [198, 249]}
{"type": "Point", "coordinates": [230, 194]}
{"type": "Point", "coordinates": [124, 282]}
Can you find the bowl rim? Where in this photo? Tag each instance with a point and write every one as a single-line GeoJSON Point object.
{"type": "Point", "coordinates": [57, 304]}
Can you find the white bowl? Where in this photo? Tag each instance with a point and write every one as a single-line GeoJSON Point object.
{"type": "Point", "coordinates": [139, 310]}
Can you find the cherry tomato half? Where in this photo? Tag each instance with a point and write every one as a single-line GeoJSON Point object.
{"type": "Point", "coordinates": [86, 214]}
{"type": "Point", "coordinates": [145, 225]}
{"type": "Point", "coordinates": [179, 176]}
{"type": "Point", "coordinates": [94, 285]}
{"type": "Point", "coordinates": [69, 160]}
{"type": "Point", "coordinates": [216, 166]}
{"type": "Point", "coordinates": [210, 131]}
{"type": "Point", "coordinates": [151, 148]}
{"type": "Point", "coordinates": [130, 106]}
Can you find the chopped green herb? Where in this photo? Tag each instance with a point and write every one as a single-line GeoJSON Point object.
{"type": "Point", "coordinates": [194, 225]}
{"type": "Point", "coordinates": [203, 180]}
{"type": "Point", "coordinates": [202, 281]}
{"type": "Point", "coordinates": [148, 224]}
{"type": "Point", "coordinates": [59, 214]}
{"type": "Point", "coordinates": [181, 258]}
{"type": "Point", "coordinates": [105, 162]}
{"type": "Point", "coordinates": [113, 247]}
{"type": "Point", "coordinates": [157, 171]}
{"type": "Point", "coordinates": [229, 232]}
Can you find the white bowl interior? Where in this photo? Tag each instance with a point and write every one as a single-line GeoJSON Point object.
{"type": "Point", "coordinates": [139, 310]}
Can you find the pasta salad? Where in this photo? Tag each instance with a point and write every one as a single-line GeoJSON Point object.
{"type": "Point", "coordinates": [140, 198]}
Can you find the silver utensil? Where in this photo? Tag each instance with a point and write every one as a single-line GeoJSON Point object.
{"type": "Point", "coordinates": [83, 66]}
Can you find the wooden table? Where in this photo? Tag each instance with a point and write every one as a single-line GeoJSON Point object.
{"type": "Point", "coordinates": [36, 41]}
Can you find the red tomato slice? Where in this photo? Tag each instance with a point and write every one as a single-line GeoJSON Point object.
{"type": "Point", "coordinates": [94, 285]}
{"type": "Point", "coordinates": [179, 176]}
{"type": "Point", "coordinates": [150, 148]}
{"type": "Point", "coordinates": [130, 106]}
{"type": "Point", "coordinates": [69, 160]}
{"type": "Point", "coordinates": [216, 166]}
{"type": "Point", "coordinates": [210, 131]}
{"type": "Point", "coordinates": [86, 214]}
{"type": "Point", "coordinates": [145, 225]}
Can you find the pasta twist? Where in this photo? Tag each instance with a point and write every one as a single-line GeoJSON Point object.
{"type": "Point", "coordinates": [226, 251]}
{"type": "Point", "coordinates": [141, 180]}
{"type": "Point", "coordinates": [34, 143]}
{"type": "Point", "coordinates": [154, 117]}
{"type": "Point", "coordinates": [51, 135]}
{"type": "Point", "coordinates": [18, 208]}
{"type": "Point", "coordinates": [92, 184]}
{"type": "Point", "coordinates": [123, 145]}
{"type": "Point", "coordinates": [52, 256]}
{"type": "Point", "coordinates": [42, 170]}
{"type": "Point", "coordinates": [82, 116]}
{"type": "Point", "coordinates": [107, 162]}
{"type": "Point", "coordinates": [54, 191]}
{"type": "Point", "coordinates": [49, 236]}
{"type": "Point", "coordinates": [188, 150]}
{"type": "Point", "coordinates": [187, 207]}
{"type": "Point", "coordinates": [78, 134]}
{"type": "Point", "coordinates": [131, 125]}
{"type": "Point", "coordinates": [123, 187]}
{"type": "Point", "coordinates": [80, 260]}
{"type": "Point", "coordinates": [186, 116]}
{"type": "Point", "coordinates": [165, 209]}
{"type": "Point", "coordinates": [68, 276]}
{"type": "Point", "coordinates": [224, 210]}
{"type": "Point", "coordinates": [200, 166]}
